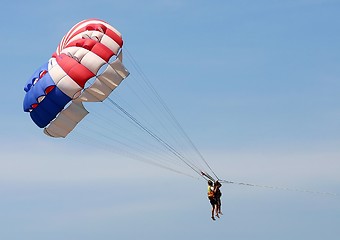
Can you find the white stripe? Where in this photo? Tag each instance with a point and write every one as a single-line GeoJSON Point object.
{"type": "Point", "coordinates": [87, 58]}
{"type": "Point", "coordinates": [64, 82]}
{"type": "Point", "coordinates": [68, 36]}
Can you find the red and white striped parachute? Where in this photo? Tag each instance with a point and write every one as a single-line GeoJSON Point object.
{"type": "Point", "coordinates": [74, 75]}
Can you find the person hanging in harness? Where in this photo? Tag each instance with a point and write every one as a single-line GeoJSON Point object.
{"type": "Point", "coordinates": [212, 199]}
{"type": "Point", "coordinates": [218, 194]}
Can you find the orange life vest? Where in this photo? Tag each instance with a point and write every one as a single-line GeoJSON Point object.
{"type": "Point", "coordinates": [210, 192]}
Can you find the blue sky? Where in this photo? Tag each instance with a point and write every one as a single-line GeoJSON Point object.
{"type": "Point", "coordinates": [255, 84]}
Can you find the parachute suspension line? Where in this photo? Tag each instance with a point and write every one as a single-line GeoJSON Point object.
{"type": "Point", "coordinates": [156, 116]}
{"type": "Point", "coordinates": [169, 112]}
{"type": "Point", "coordinates": [85, 139]}
{"type": "Point", "coordinates": [278, 188]}
{"type": "Point", "coordinates": [125, 151]}
{"type": "Point", "coordinates": [140, 117]}
{"type": "Point", "coordinates": [137, 149]}
{"type": "Point", "coordinates": [157, 138]}
{"type": "Point", "coordinates": [160, 140]}
{"type": "Point", "coordinates": [155, 109]}
{"type": "Point", "coordinates": [133, 138]}
{"type": "Point", "coordinates": [207, 176]}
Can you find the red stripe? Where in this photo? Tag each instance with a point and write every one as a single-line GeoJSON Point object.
{"type": "Point", "coordinates": [101, 28]}
{"type": "Point", "coordinates": [118, 39]}
{"type": "Point", "coordinates": [90, 27]}
{"type": "Point", "coordinates": [79, 73]}
{"type": "Point", "coordinates": [67, 35]}
{"type": "Point", "coordinates": [83, 43]}
{"type": "Point", "coordinates": [96, 47]}
{"type": "Point", "coordinates": [102, 51]}
{"type": "Point", "coordinates": [77, 32]}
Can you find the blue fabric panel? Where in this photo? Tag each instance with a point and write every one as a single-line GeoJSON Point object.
{"type": "Point", "coordinates": [33, 92]}
{"type": "Point", "coordinates": [35, 75]}
{"type": "Point", "coordinates": [49, 108]}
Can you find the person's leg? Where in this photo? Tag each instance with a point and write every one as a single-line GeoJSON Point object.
{"type": "Point", "coordinates": [219, 207]}
{"type": "Point", "coordinates": [212, 212]}
{"type": "Point", "coordinates": [216, 210]}
{"type": "Point", "coordinates": [213, 206]}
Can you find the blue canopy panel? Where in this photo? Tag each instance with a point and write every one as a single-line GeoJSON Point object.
{"type": "Point", "coordinates": [43, 99]}
{"type": "Point", "coordinates": [48, 109]}
{"type": "Point", "coordinates": [35, 75]}
{"type": "Point", "coordinates": [37, 87]}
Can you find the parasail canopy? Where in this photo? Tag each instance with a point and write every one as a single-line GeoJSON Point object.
{"type": "Point", "coordinates": [56, 90]}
